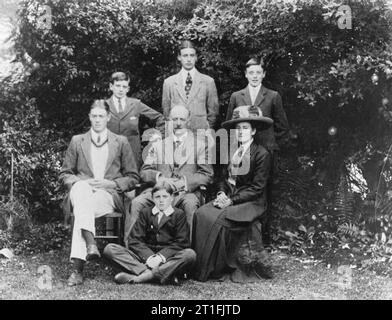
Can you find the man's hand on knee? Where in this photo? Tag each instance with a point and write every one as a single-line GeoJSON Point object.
{"type": "Point", "coordinates": [102, 184]}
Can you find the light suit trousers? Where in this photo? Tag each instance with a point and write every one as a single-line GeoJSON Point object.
{"type": "Point", "coordinates": [88, 204]}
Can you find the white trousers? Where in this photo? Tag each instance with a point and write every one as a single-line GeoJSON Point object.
{"type": "Point", "coordinates": [88, 204]}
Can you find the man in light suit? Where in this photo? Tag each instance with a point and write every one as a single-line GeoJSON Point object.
{"type": "Point", "coordinates": [270, 104]}
{"type": "Point", "coordinates": [181, 160]}
{"type": "Point", "coordinates": [192, 89]}
{"type": "Point", "coordinates": [125, 113]}
{"type": "Point", "coordinates": [98, 168]}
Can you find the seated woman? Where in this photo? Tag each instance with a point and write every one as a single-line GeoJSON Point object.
{"type": "Point", "coordinates": [227, 232]}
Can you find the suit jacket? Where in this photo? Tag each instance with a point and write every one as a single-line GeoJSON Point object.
{"type": "Point", "coordinates": [249, 193]}
{"type": "Point", "coordinates": [202, 101]}
{"type": "Point", "coordinates": [188, 160]}
{"type": "Point", "coordinates": [270, 103]}
{"type": "Point", "coordinates": [167, 238]}
{"type": "Point", "coordinates": [127, 122]}
{"type": "Point", "coordinates": [120, 167]}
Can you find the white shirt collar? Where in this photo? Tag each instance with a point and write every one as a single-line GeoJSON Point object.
{"type": "Point", "coordinates": [103, 135]}
{"type": "Point", "coordinates": [115, 99]}
{"type": "Point", "coordinates": [246, 146]}
{"type": "Point", "coordinates": [256, 89]}
{"type": "Point", "coordinates": [167, 212]}
{"type": "Point", "coordinates": [180, 138]}
{"type": "Point", "coordinates": [184, 74]}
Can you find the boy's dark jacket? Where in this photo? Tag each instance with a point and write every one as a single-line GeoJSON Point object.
{"type": "Point", "coordinates": [171, 236]}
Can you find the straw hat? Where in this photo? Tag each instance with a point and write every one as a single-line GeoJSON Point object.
{"type": "Point", "coordinates": [250, 114]}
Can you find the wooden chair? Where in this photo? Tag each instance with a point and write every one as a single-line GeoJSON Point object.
{"type": "Point", "coordinates": [113, 222]}
{"type": "Point", "coordinates": [114, 227]}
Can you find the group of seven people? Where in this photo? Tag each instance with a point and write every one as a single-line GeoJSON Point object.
{"type": "Point", "coordinates": [170, 229]}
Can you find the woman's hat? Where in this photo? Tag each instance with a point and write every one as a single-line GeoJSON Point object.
{"type": "Point", "coordinates": [250, 114]}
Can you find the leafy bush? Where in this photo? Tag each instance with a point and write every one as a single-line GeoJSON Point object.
{"type": "Point", "coordinates": [40, 238]}
{"type": "Point", "coordinates": [15, 217]}
{"type": "Point", "coordinates": [37, 160]}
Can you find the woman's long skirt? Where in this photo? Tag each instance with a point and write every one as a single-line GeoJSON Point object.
{"type": "Point", "coordinates": [225, 248]}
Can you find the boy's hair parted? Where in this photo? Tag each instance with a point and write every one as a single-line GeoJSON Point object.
{"type": "Point", "coordinates": [119, 76]}
{"type": "Point", "coordinates": [255, 61]}
{"type": "Point", "coordinates": [162, 186]}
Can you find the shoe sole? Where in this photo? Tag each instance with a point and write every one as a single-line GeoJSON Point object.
{"type": "Point", "coordinates": [123, 280]}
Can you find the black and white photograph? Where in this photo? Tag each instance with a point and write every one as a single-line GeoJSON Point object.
{"type": "Point", "coordinates": [195, 155]}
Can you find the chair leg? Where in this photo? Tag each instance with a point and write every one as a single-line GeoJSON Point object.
{"type": "Point", "coordinates": [119, 231]}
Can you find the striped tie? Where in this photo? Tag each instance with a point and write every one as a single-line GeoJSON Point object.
{"type": "Point", "coordinates": [188, 84]}
{"type": "Point", "coordinates": [120, 106]}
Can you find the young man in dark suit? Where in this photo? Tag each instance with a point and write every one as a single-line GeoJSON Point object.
{"type": "Point", "coordinates": [267, 100]}
{"type": "Point", "coordinates": [159, 245]}
{"type": "Point", "coordinates": [270, 104]}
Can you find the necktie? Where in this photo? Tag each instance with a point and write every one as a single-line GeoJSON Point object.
{"type": "Point", "coordinates": [99, 140]}
{"type": "Point", "coordinates": [253, 95]}
{"type": "Point", "coordinates": [237, 158]}
{"type": "Point", "coordinates": [235, 164]}
{"type": "Point", "coordinates": [175, 146]}
{"type": "Point", "coordinates": [160, 214]}
{"type": "Point", "coordinates": [188, 84]}
{"type": "Point", "coordinates": [120, 106]}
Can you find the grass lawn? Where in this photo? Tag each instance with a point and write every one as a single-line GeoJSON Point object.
{"type": "Point", "coordinates": [294, 279]}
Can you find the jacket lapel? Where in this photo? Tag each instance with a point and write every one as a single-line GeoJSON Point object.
{"type": "Point", "coordinates": [185, 150]}
{"type": "Point", "coordinates": [195, 86]}
{"type": "Point", "coordinates": [246, 96]}
{"type": "Point", "coordinates": [163, 221]}
{"type": "Point", "coordinates": [179, 86]}
{"type": "Point", "coordinates": [243, 170]}
{"type": "Point", "coordinates": [112, 108]}
{"type": "Point", "coordinates": [127, 108]}
{"type": "Point", "coordinates": [260, 96]}
{"type": "Point", "coordinates": [86, 148]}
{"type": "Point", "coordinates": [168, 152]}
{"type": "Point", "coordinates": [113, 147]}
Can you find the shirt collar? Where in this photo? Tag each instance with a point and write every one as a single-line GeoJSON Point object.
{"type": "Point", "coordinates": [184, 73]}
{"type": "Point", "coordinates": [180, 138]}
{"type": "Point", "coordinates": [103, 135]}
{"type": "Point", "coordinates": [246, 146]}
{"type": "Point", "coordinates": [257, 88]}
{"type": "Point", "coordinates": [167, 212]}
{"type": "Point", "coordinates": [123, 99]}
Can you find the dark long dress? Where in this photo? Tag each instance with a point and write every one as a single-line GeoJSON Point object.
{"type": "Point", "coordinates": [228, 241]}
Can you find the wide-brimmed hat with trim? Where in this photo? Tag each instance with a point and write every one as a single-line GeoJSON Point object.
{"type": "Point", "coordinates": [250, 114]}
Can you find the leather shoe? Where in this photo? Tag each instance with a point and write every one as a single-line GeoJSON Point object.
{"type": "Point", "coordinates": [264, 271]}
{"type": "Point", "coordinates": [174, 281]}
{"type": "Point", "coordinates": [75, 279]}
{"type": "Point", "coordinates": [123, 278]}
{"type": "Point", "coordinates": [92, 252]}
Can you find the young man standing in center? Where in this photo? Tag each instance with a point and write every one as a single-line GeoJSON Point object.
{"type": "Point", "coordinates": [192, 89]}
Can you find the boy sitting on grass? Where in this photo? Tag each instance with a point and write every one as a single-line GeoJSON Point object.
{"type": "Point", "coordinates": [158, 243]}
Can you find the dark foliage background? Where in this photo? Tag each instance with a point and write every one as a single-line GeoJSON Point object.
{"type": "Point", "coordinates": [326, 184]}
